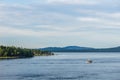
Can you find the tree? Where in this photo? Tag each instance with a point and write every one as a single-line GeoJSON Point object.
{"type": "Point", "coordinates": [21, 52]}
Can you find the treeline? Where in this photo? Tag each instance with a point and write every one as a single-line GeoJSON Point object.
{"type": "Point", "coordinates": [18, 52]}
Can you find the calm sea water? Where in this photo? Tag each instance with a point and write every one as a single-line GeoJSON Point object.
{"type": "Point", "coordinates": [63, 66]}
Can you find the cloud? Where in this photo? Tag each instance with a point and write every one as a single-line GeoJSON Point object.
{"type": "Point", "coordinates": [36, 19]}
{"type": "Point", "coordinates": [63, 20]}
{"type": "Point", "coordinates": [85, 2]}
{"type": "Point", "coordinates": [104, 19]}
{"type": "Point", "coordinates": [99, 22]}
{"type": "Point", "coordinates": [8, 31]}
{"type": "Point", "coordinates": [88, 19]}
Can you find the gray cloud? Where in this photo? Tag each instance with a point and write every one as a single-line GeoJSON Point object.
{"type": "Point", "coordinates": [60, 18]}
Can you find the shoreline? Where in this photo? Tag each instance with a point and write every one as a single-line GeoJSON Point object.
{"type": "Point", "coordinates": [11, 52]}
{"type": "Point", "coordinates": [8, 57]}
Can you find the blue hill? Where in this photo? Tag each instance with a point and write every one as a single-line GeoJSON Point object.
{"type": "Point", "coordinates": [66, 49]}
{"type": "Point", "coordinates": [80, 49]}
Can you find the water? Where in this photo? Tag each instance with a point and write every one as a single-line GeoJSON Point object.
{"type": "Point", "coordinates": [63, 66]}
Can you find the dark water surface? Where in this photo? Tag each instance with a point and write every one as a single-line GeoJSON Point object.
{"type": "Point", "coordinates": [64, 66]}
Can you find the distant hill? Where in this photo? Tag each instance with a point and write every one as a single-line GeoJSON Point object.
{"type": "Point", "coordinates": [115, 49]}
{"type": "Point", "coordinates": [80, 49]}
{"type": "Point", "coordinates": [66, 49]}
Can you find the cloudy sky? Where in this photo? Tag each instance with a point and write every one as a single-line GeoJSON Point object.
{"type": "Point", "coordinates": [43, 23]}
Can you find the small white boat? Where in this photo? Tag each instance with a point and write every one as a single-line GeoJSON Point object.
{"type": "Point", "coordinates": [89, 61]}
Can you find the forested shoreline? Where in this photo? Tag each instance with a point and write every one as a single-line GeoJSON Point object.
{"type": "Point", "coordinates": [17, 52]}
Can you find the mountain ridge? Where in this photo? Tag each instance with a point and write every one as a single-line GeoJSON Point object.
{"type": "Point", "coordinates": [80, 49]}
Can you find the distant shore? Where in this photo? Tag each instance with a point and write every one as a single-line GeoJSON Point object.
{"type": "Point", "coordinates": [11, 52]}
{"type": "Point", "coordinates": [8, 57]}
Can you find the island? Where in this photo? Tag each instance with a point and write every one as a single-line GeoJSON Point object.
{"type": "Point", "coordinates": [17, 52]}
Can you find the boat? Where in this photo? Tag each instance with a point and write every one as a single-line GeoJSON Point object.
{"type": "Point", "coordinates": [89, 61]}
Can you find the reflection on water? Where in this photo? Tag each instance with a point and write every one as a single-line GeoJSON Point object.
{"type": "Point", "coordinates": [63, 66]}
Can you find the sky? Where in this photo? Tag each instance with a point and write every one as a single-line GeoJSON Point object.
{"type": "Point", "coordinates": [44, 23]}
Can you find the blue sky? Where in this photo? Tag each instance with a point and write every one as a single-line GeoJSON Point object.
{"type": "Point", "coordinates": [43, 23]}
